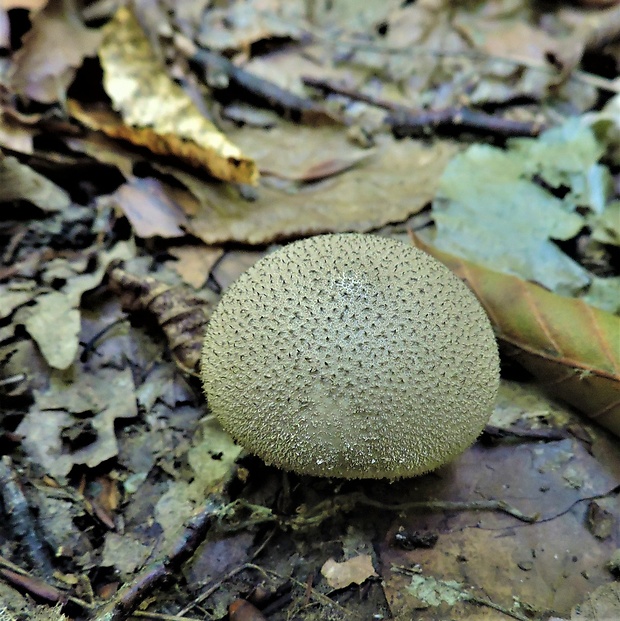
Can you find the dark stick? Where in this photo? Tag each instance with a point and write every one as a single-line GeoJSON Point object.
{"type": "Point", "coordinates": [132, 594]}
{"type": "Point", "coordinates": [491, 432]}
{"type": "Point", "coordinates": [262, 92]}
{"type": "Point", "coordinates": [408, 122]}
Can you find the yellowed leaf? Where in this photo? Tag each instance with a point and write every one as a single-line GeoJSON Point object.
{"type": "Point", "coordinates": [156, 112]}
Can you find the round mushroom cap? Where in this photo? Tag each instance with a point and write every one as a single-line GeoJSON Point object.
{"type": "Point", "coordinates": [352, 356]}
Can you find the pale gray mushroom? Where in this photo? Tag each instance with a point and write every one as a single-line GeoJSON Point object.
{"type": "Point", "coordinates": [351, 356]}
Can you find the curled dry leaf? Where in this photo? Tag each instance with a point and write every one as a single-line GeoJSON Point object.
{"type": "Point", "coordinates": [156, 113]}
{"type": "Point", "coordinates": [181, 315]}
{"type": "Point", "coordinates": [570, 346]}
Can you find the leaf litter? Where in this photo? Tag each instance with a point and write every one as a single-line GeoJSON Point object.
{"type": "Point", "coordinates": [104, 424]}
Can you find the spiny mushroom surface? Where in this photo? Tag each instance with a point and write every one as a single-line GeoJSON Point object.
{"type": "Point", "coordinates": [351, 356]}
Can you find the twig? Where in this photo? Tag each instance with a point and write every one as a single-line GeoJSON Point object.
{"type": "Point", "coordinates": [21, 578]}
{"type": "Point", "coordinates": [254, 89]}
{"type": "Point", "coordinates": [128, 598]}
{"type": "Point", "coordinates": [313, 516]}
{"type": "Point", "coordinates": [319, 597]}
{"type": "Point", "coordinates": [411, 123]}
{"type": "Point", "coordinates": [331, 87]}
{"type": "Point", "coordinates": [90, 345]}
{"type": "Point", "coordinates": [544, 435]}
{"type": "Point", "coordinates": [408, 122]}
{"type": "Point", "coordinates": [347, 503]}
{"type": "Point", "coordinates": [34, 586]}
{"type": "Point", "coordinates": [215, 510]}
{"type": "Point", "coordinates": [145, 614]}
{"type": "Point", "coordinates": [218, 584]}
{"type": "Point", "coordinates": [14, 379]}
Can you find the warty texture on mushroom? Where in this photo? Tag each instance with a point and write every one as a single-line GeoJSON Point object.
{"type": "Point", "coordinates": [351, 355]}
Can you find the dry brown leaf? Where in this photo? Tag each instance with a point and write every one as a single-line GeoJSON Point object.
{"type": "Point", "coordinates": [572, 348]}
{"type": "Point", "coordinates": [323, 169]}
{"type": "Point", "coordinates": [194, 263]}
{"type": "Point", "coordinates": [398, 181]}
{"type": "Point", "coordinates": [156, 113]}
{"type": "Point", "coordinates": [149, 209]}
{"type": "Point", "coordinates": [53, 49]}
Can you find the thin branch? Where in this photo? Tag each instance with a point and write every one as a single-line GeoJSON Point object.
{"type": "Point", "coordinates": [132, 594]}
{"type": "Point", "coordinates": [409, 122]}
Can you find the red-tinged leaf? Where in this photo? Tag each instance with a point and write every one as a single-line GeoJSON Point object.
{"type": "Point", "coordinates": [572, 348]}
{"type": "Point", "coordinates": [242, 610]}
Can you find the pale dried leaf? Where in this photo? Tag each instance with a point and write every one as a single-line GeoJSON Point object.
{"type": "Point", "coordinates": [352, 571]}
{"type": "Point", "coordinates": [397, 182]}
{"type": "Point", "coordinates": [54, 323]}
{"type": "Point", "coordinates": [20, 182]}
{"type": "Point", "coordinates": [125, 553]}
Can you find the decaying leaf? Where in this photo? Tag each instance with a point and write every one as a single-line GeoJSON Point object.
{"type": "Point", "coordinates": [149, 210]}
{"type": "Point", "coordinates": [489, 199]}
{"type": "Point", "coordinates": [54, 320]}
{"type": "Point", "coordinates": [181, 314]}
{"type": "Point", "coordinates": [570, 346]}
{"type": "Point", "coordinates": [104, 397]}
{"type": "Point", "coordinates": [155, 112]}
{"type": "Point", "coordinates": [211, 460]}
{"type": "Point", "coordinates": [396, 182]}
{"type": "Point", "coordinates": [54, 323]}
{"type": "Point", "coordinates": [429, 591]}
{"type": "Point", "coordinates": [602, 604]}
{"type": "Point", "coordinates": [606, 227]}
{"type": "Point", "coordinates": [125, 553]}
{"type": "Point", "coordinates": [496, 561]}
{"type": "Point", "coordinates": [238, 25]}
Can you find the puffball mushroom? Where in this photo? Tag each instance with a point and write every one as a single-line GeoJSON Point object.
{"type": "Point", "coordinates": [351, 356]}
